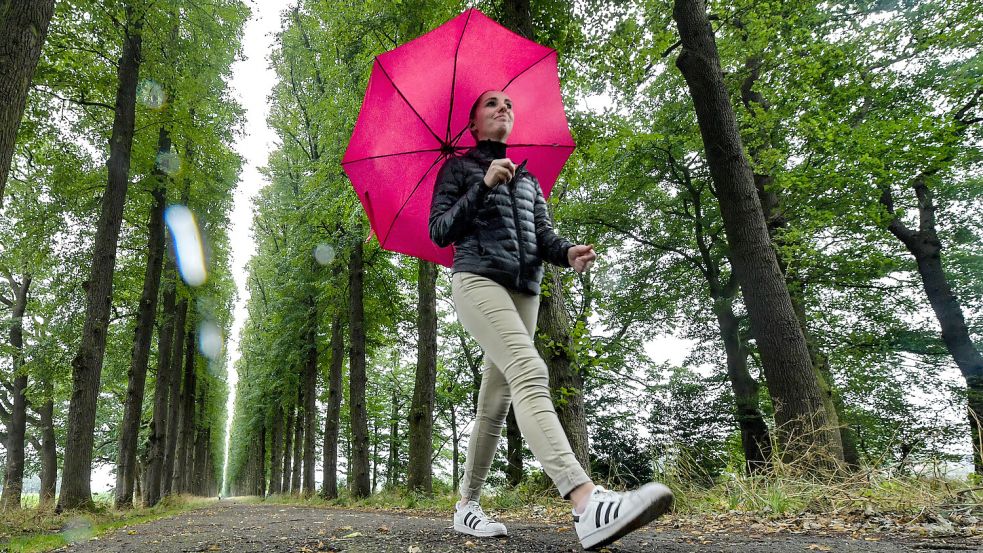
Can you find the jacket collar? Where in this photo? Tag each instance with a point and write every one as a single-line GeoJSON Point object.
{"type": "Point", "coordinates": [488, 150]}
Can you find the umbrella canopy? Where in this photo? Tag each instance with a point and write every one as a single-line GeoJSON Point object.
{"type": "Point", "coordinates": [415, 115]}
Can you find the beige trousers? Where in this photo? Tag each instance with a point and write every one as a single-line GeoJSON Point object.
{"type": "Point", "coordinates": [504, 324]}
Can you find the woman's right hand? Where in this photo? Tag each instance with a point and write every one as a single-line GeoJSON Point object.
{"type": "Point", "coordinates": [499, 172]}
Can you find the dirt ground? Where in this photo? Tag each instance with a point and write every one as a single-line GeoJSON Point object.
{"type": "Point", "coordinates": [246, 527]}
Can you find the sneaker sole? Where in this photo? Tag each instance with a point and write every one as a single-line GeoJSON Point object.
{"type": "Point", "coordinates": [465, 529]}
{"type": "Point", "coordinates": [633, 521]}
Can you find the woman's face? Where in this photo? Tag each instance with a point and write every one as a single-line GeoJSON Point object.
{"type": "Point", "coordinates": [493, 117]}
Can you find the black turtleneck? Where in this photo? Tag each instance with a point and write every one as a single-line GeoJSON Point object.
{"type": "Point", "coordinates": [492, 148]}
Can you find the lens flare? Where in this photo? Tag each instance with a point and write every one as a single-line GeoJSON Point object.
{"type": "Point", "coordinates": [324, 254]}
{"type": "Point", "coordinates": [187, 244]}
{"type": "Point", "coordinates": [210, 340]}
{"type": "Point", "coordinates": [151, 94]}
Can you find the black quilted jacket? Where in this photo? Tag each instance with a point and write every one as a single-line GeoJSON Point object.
{"type": "Point", "coordinates": [503, 233]}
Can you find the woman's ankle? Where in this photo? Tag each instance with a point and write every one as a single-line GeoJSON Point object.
{"type": "Point", "coordinates": [580, 495]}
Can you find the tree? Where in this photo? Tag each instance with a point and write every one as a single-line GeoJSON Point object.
{"type": "Point", "coordinates": [419, 473]}
{"type": "Point", "coordinates": [87, 365]}
{"type": "Point", "coordinates": [800, 412]}
{"type": "Point", "coordinates": [23, 28]}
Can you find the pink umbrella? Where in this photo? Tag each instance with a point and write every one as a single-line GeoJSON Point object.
{"type": "Point", "coordinates": [415, 115]}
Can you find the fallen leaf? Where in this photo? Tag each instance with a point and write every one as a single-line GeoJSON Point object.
{"type": "Point", "coordinates": [352, 535]}
{"type": "Point", "coordinates": [384, 529]}
{"type": "Point", "coordinates": [817, 547]}
{"type": "Point", "coordinates": [413, 549]}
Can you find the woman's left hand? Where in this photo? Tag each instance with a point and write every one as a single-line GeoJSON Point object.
{"type": "Point", "coordinates": [581, 257]}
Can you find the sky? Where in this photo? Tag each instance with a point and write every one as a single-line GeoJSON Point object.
{"type": "Point", "coordinates": [252, 82]}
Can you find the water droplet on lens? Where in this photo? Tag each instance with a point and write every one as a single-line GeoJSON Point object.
{"type": "Point", "coordinates": [169, 162]}
{"type": "Point", "coordinates": [151, 94]}
{"type": "Point", "coordinates": [210, 340]}
{"type": "Point", "coordinates": [187, 244]}
{"type": "Point", "coordinates": [324, 254]}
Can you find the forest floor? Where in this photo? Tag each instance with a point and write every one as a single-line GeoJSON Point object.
{"type": "Point", "coordinates": [244, 525]}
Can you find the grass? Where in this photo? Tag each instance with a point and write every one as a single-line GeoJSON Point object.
{"type": "Point", "coordinates": [32, 530]}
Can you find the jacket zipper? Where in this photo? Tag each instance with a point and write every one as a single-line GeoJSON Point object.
{"type": "Point", "coordinates": [518, 230]}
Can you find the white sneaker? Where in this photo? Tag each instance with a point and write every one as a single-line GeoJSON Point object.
{"type": "Point", "coordinates": [471, 520]}
{"type": "Point", "coordinates": [610, 515]}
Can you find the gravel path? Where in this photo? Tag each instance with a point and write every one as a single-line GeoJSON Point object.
{"type": "Point", "coordinates": [269, 528]}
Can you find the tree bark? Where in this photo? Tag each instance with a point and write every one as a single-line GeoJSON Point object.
{"type": "Point", "coordinates": [555, 345]}
{"type": "Point", "coordinates": [800, 412]}
{"type": "Point", "coordinates": [49, 452]}
{"type": "Point", "coordinates": [87, 364]}
{"type": "Point", "coordinates": [295, 482]}
{"type": "Point", "coordinates": [310, 405]}
{"type": "Point", "coordinates": [775, 220]}
{"type": "Point", "coordinates": [197, 485]}
{"type": "Point", "coordinates": [276, 451]}
{"type": "Point", "coordinates": [288, 436]}
{"type": "Point", "coordinates": [925, 246]}
{"type": "Point", "coordinates": [23, 29]}
{"type": "Point", "coordinates": [359, 460]}
{"type": "Point", "coordinates": [755, 438]}
{"type": "Point", "coordinates": [174, 399]}
{"type": "Point", "coordinates": [332, 421]}
{"type": "Point", "coordinates": [158, 425]}
{"type": "Point", "coordinates": [185, 451]}
{"type": "Point", "coordinates": [419, 474]}
{"type": "Point", "coordinates": [143, 334]}
{"type": "Point", "coordinates": [13, 477]}
{"type": "Point", "coordinates": [393, 464]}
{"type": "Point", "coordinates": [513, 439]}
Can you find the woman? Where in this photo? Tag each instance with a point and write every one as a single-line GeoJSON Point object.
{"type": "Point", "coordinates": [495, 215]}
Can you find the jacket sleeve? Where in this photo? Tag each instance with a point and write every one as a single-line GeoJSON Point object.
{"type": "Point", "coordinates": [454, 205]}
{"type": "Point", "coordinates": [552, 248]}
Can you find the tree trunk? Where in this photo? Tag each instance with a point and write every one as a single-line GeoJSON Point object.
{"type": "Point", "coordinates": [310, 405]}
{"type": "Point", "coordinates": [143, 334]}
{"type": "Point", "coordinates": [185, 456]}
{"type": "Point", "coordinates": [288, 436]}
{"type": "Point", "coordinates": [261, 475]}
{"type": "Point", "coordinates": [158, 425]}
{"type": "Point", "coordinates": [754, 432]}
{"type": "Point", "coordinates": [775, 220]}
{"type": "Point", "coordinates": [197, 484]}
{"type": "Point", "coordinates": [298, 443]}
{"type": "Point", "coordinates": [174, 399]}
{"type": "Point", "coordinates": [517, 16]}
{"type": "Point", "coordinates": [375, 455]}
{"type": "Point", "coordinates": [456, 456]}
{"type": "Point", "coordinates": [392, 467]}
{"type": "Point", "coordinates": [359, 460]}
{"type": "Point", "coordinates": [800, 414]}
{"type": "Point", "coordinates": [49, 452]}
{"type": "Point", "coordinates": [566, 382]}
{"type": "Point", "coordinates": [926, 248]}
{"type": "Point", "coordinates": [513, 438]}
{"type": "Point", "coordinates": [419, 473]}
{"type": "Point", "coordinates": [276, 451]}
{"type": "Point", "coordinates": [13, 477]}
{"type": "Point", "coordinates": [23, 28]}
{"type": "Point", "coordinates": [87, 364]}
{"type": "Point", "coordinates": [332, 418]}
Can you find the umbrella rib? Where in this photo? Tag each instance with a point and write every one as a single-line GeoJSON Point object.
{"type": "Point", "coordinates": [533, 64]}
{"type": "Point", "coordinates": [380, 156]}
{"type": "Point", "coordinates": [383, 239]}
{"type": "Point", "coordinates": [401, 95]}
{"type": "Point", "coordinates": [457, 51]}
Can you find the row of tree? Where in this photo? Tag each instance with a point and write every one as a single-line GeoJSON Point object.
{"type": "Point", "coordinates": [119, 109]}
{"type": "Point", "coordinates": [791, 227]}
